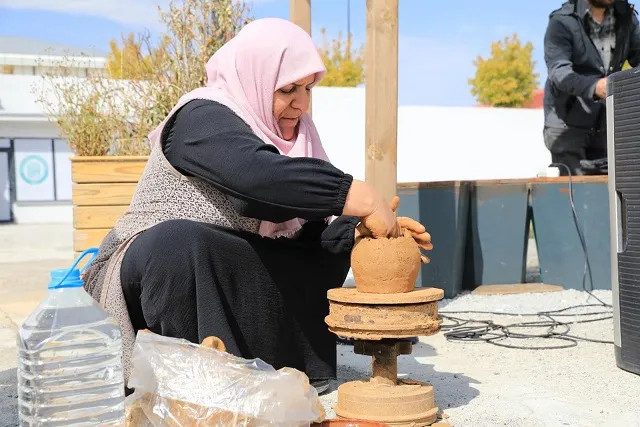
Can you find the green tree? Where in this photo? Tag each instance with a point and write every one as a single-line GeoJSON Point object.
{"type": "Point", "coordinates": [345, 65]}
{"type": "Point", "coordinates": [626, 65]}
{"type": "Point", "coordinates": [507, 77]}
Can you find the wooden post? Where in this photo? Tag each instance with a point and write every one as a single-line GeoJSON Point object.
{"type": "Point", "coordinates": [300, 14]}
{"type": "Point", "coordinates": [381, 61]}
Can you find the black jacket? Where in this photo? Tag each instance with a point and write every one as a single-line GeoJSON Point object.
{"type": "Point", "coordinates": [575, 66]}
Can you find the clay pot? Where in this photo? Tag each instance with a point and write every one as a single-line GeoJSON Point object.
{"type": "Point", "coordinates": [215, 343]}
{"type": "Point", "coordinates": [350, 423]}
{"type": "Point", "coordinates": [386, 266]}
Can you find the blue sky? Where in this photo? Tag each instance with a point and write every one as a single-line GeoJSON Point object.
{"type": "Point", "coordinates": [438, 39]}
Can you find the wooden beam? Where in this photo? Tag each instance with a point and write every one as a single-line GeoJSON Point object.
{"type": "Point", "coordinates": [86, 217]}
{"type": "Point", "coordinates": [90, 238]}
{"type": "Point", "coordinates": [300, 14]}
{"type": "Point", "coordinates": [103, 194]}
{"type": "Point", "coordinates": [107, 169]}
{"type": "Point", "coordinates": [381, 62]}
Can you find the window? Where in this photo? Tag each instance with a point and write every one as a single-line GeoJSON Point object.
{"type": "Point", "coordinates": [42, 170]}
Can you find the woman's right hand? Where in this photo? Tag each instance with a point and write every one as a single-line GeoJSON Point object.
{"type": "Point", "coordinates": [378, 218]}
{"type": "Point", "coordinates": [381, 223]}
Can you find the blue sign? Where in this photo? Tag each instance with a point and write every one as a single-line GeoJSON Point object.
{"type": "Point", "coordinates": [33, 169]}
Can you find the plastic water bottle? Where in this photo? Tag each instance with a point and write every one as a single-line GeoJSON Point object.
{"type": "Point", "coordinates": [70, 359]}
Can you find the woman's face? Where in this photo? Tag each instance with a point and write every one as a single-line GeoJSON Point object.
{"type": "Point", "coordinates": [289, 102]}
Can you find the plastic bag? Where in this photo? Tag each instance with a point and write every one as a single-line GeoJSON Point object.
{"type": "Point", "coordinates": [178, 383]}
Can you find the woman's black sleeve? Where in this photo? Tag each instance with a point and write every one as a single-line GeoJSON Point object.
{"type": "Point", "coordinates": [205, 139]}
{"type": "Point", "coordinates": [336, 238]}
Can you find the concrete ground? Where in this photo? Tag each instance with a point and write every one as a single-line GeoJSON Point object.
{"type": "Point", "coordinates": [475, 383]}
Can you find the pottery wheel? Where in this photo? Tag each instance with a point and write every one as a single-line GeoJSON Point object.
{"type": "Point", "coordinates": [353, 296]}
{"type": "Point", "coordinates": [364, 316]}
{"type": "Point", "coordinates": [410, 403]}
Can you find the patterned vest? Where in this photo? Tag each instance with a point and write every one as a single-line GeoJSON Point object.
{"type": "Point", "coordinates": [162, 194]}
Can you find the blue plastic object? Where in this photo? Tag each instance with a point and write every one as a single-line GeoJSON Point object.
{"type": "Point", "coordinates": [70, 277]}
{"type": "Point", "coordinates": [498, 233]}
{"type": "Point", "coordinates": [559, 249]}
{"type": "Point", "coordinates": [443, 208]}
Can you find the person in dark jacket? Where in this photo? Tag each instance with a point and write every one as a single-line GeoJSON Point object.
{"type": "Point", "coordinates": [585, 41]}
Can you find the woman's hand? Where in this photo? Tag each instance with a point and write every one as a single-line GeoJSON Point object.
{"type": "Point", "coordinates": [417, 230]}
{"type": "Point", "coordinates": [381, 223]}
{"type": "Point", "coordinates": [378, 219]}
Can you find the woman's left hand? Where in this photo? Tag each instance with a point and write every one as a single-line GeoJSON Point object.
{"type": "Point", "coordinates": [417, 230]}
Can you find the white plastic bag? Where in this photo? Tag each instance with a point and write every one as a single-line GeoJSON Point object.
{"type": "Point", "coordinates": [178, 383]}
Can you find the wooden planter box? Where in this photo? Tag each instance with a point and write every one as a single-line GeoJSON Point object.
{"type": "Point", "coordinates": [102, 190]}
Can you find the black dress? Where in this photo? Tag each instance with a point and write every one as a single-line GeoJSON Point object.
{"type": "Point", "coordinates": [265, 298]}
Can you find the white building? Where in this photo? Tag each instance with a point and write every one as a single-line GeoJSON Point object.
{"type": "Point", "coordinates": [22, 56]}
{"type": "Point", "coordinates": [434, 143]}
{"type": "Point", "coordinates": [35, 177]}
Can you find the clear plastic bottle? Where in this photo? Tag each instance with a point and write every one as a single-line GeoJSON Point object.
{"type": "Point", "coordinates": [70, 359]}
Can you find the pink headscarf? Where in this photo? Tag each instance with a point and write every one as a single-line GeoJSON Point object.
{"type": "Point", "coordinates": [264, 56]}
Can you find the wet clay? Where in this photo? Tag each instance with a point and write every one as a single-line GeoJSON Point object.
{"type": "Point", "coordinates": [386, 266]}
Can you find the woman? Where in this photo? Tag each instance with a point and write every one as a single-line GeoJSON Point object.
{"type": "Point", "coordinates": [227, 233]}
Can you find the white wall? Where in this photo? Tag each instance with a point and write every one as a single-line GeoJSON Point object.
{"type": "Point", "coordinates": [434, 143]}
{"type": "Point", "coordinates": [38, 130]}
{"type": "Point", "coordinates": [28, 129]}
{"type": "Point", "coordinates": [39, 213]}
{"type": "Point", "coordinates": [36, 70]}
{"type": "Point", "coordinates": [339, 116]}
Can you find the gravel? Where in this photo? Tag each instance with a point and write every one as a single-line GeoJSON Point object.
{"type": "Point", "coordinates": [480, 384]}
